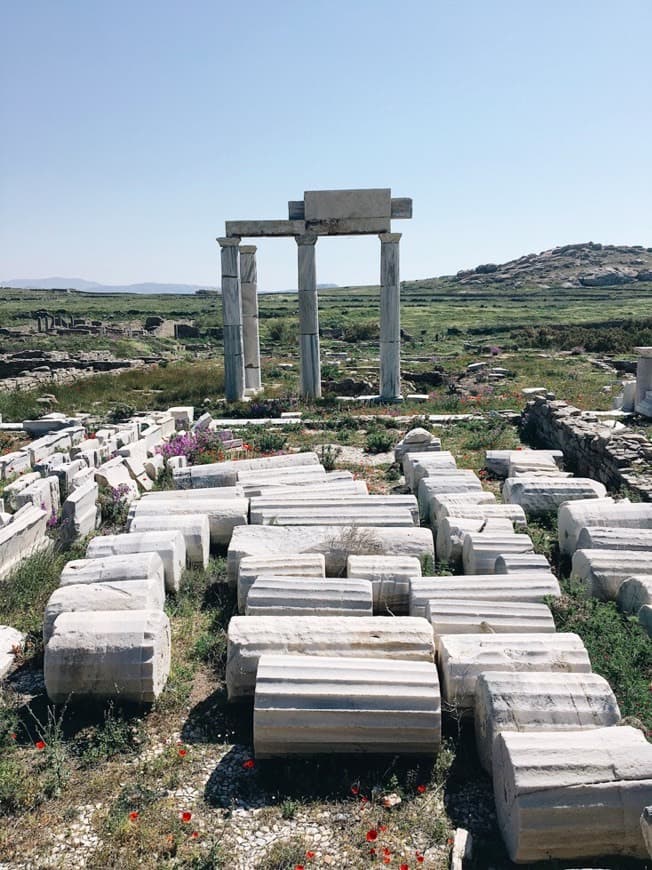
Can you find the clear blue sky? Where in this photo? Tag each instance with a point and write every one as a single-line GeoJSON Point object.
{"type": "Point", "coordinates": [132, 129]}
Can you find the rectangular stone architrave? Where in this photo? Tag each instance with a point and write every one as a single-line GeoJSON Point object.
{"type": "Point", "coordinates": [347, 204]}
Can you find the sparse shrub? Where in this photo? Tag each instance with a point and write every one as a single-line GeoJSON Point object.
{"type": "Point", "coordinates": [268, 442]}
{"type": "Point", "coordinates": [289, 808]}
{"type": "Point", "coordinates": [284, 855]}
{"type": "Point", "coordinates": [120, 412]}
{"type": "Point", "coordinates": [281, 330]}
{"type": "Point", "coordinates": [328, 455]}
{"type": "Point", "coordinates": [116, 736]}
{"type": "Point", "coordinates": [379, 442]}
{"type": "Point", "coordinates": [366, 330]}
{"type": "Point", "coordinates": [351, 541]}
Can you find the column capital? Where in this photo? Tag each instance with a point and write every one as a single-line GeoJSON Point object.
{"type": "Point", "coordinates": [306, 239]}
{"type": "Point", "coordinates": [248, 249]}
{"type": "Point", "coordinates": [389, 238]}
{"type": "Point", "coordinates": [228, 241]}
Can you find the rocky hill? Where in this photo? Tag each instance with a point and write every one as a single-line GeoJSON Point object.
{"type": "Point", "coordinates": [583, 265]}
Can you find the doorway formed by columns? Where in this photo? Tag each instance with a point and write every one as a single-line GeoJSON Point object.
{"type": "Point", "coordinates": [320, 213]}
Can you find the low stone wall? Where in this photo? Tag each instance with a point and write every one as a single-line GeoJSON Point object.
{"type": "Point", "coordinates": [591, 449]}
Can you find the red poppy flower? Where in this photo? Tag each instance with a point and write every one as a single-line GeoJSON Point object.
{"type": "Point", "coordinates": [40, 744]}
{"type": "Point", "coordinates": [299, 867]}
{"type": "Point", "coordinates": [133, 816]}
{"type": "Point", "coordinates": [249, 764]}
{"type": "Point", "coordinates": [355, 789]}
{"type": "Point", "coordinates": [310, 854]}
{"type": "Point", "coordinates": [404, 867]}
{"type": "Point", "coordinates": [382, 827]}
{"type": "Point", "coordinates": [13, 736]}
{"type": "Point", "coordinates": [420, 858]}
{"type": "Point", "coordinates": [194, 835]}
{"type": "Point", "coordinates": [372, 851]}
{"type": "Point", "coordinates": [364, 800]}
{"type": "Point", "coordinates": [386, 859]}
{"type": "Point", "coordinates": [183, 752]}
{"type": "Point", "coordinates": [387, 851]}
{"type": "Point", "coordinates": [421, 789]}
{"type": "Point", "coordinates": [185, 817]}
{"type": "Point", "coordinates": [372, 835]}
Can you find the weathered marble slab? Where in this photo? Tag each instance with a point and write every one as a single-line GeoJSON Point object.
{"type": "Point", "coordinates": [307, 704]}
{"type": "Point", "coordinates": [533, 586]}
{"type": "Point", "coordinates": [580, 796]}
{"type": "Point", "coordinates": [463, 657]}
{"type": "Point", "coordinates": [273, 595]}
{"type": "Point", "coordinates": [250, 637]}
{"type": "Point", "coordinates": [114, 655]}
{"type": "Point", "coordinates": [524, 701]}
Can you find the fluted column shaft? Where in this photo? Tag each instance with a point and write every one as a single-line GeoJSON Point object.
{"type": "Point", "coordinates": [250, 339]}
{"type": "Point", "coordinates": [234, 377]}
{"type": "Point", "coordinates": [390, 318]}
{"type": "Point", "coordinates": [308, 318]}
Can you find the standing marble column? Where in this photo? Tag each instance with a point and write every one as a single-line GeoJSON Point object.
{"type": "Point", "coordinates": [308, 318]}
{"type": "Point", "coordinates": [232, 317]}
{"type": "Point", "coordinates": [390, 318]}
{"type": "Point", "coordinates": [643, 404]}
{"type": "Point", "coordinates": [250, 340]}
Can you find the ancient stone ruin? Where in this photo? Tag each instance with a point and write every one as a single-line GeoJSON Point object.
{"type": "Point", "coordinates": [320, 213]}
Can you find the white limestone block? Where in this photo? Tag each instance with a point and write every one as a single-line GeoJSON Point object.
{"type": "Point", "coordinates": [416, 466]}
{"type": "Point", "coordinates": [115, 475]}
{"type": "Point", "coordinates": [389, 577]}
{"type": "Point", "coordinates": [273, 595]}
{"type": "Point", "coordinates": [307, 705]}
{"type": "Point", "coordinates": [79, 513]}
{"type": "Point", "coordinates": [10, 640]}
{"type": "Point", "coordinates": [515, 563]}
{"type": "Point", "coordinates": [451, 530]}
{"type": "Point", "coordinates": [176, 462]}
{"type": "Point", "coordinates": [463, 657]}
{"type": "Point", "coordinates": [461, 616]}
{"type": "Point", "coordinates": [634, 593]}
{"type": "Point", "coordinates": [532, 586]}
{"type": "Point", "coordinates": [598, 538]}
{"type": "Point", "coordinates": [12, 489]}
{"type": "Point", "coordinates": [542, 495]}
{"type": "Point", "coordinates": [226, 473]}
{"type": "Point", "coordinates": [524, 463]}
{"type": "Point", "coordinates": [13, 463]}
{"type": "Point", "coordinates": [460, 481]}
{"type": "Point", "coordinates": [194, 528]}
{"type": "Point", "coordinates": [454, 500]}
{"type": "Point", "coordinates": [169, 545]}
{"type": "Point", "coordinates": [335, 486]}
{"type": "Point", "coordinates": [481, 549]}
{"type": "Point", "coordinates": [135, 566]}
{"type": "Point", "coordinates": [299, 475]}
{"type": "Point", "coordinates": [136, 469]}
{"type": "Point", "coordinates": [210, 493]}
{"type": "Point", "coordinates": [337, 544]}
{"type": "Point", "coordinates": [297, 565]}
{"type": "Point", "coordinates": [525, 701]}
{"type": "Point", "coordinates": [343, 516]}
{"type": "Point", "coordinates": [512, 512]}
{"type": "Point", "coordinates": [108, 655]}
{"type": "Point", "coordinates": [183, 415]}
{"type": "Point", "coordinates": [22, 537]}
{"type": "Point", "coordinates": [603, 571]}
{"type": "Point", "coordinates": [367, 637]}
{"type": "Point", "coordinates": [580, 796]}
{"type": "Point", "coordinates": [417, 440]}
{"type": "Point", "coordinates": [265, 506]}
{"type": "Point", "coordinates": [223, 514]}
{"type": "Point", "coordinates": [576, 515]}
{"type": "Point", "coordinates": [43, 493]}
{"type": "Point", "coordinates": [146, 594]}
{"type": "Point", "coordinates": [497, 461]}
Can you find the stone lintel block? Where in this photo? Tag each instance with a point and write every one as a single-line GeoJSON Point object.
{"type": "Point", "coordinates": [195, 529]}
{"type": "Point", "coordinates": [348, 204]}
{"type": "Point", "coordinates": [401, 208]}
{"type": "Point", "coordinates": [263, 228]}
{"type": "Point", "coordinates": [170, 546]}
{"type": "Point", "coordinates": [273, 595]}
{"type": "Point", "coordinates": [528, 586]}
{"type": "Point", "coordinates": [348, 226]}
{"type": "Point", "coordinates": [298, 565]}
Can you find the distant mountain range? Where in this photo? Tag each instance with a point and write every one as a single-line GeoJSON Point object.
{"type": "Point", "coordinates": [59, 283]}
